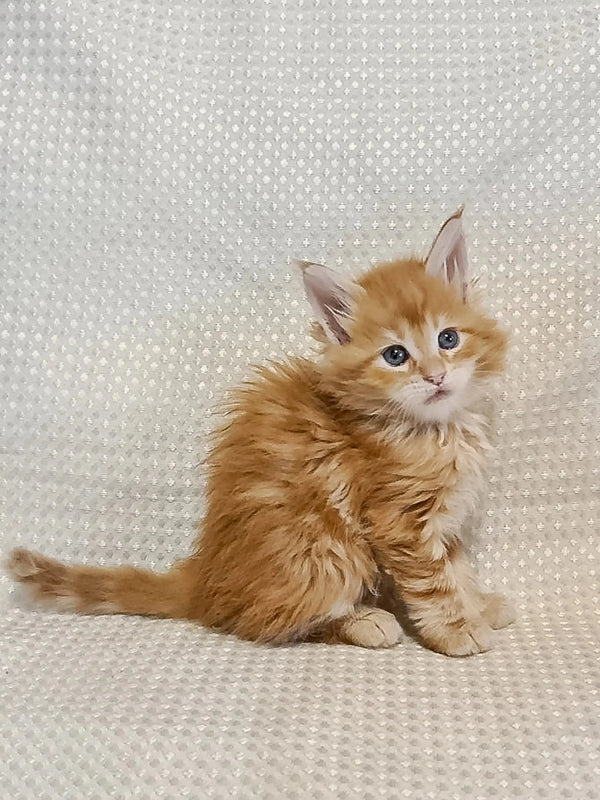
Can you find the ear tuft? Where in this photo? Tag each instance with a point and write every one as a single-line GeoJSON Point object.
{"type": "Point", "coordinates": [329, 295]}
{"type": "Point", "coordinates": [447, 258]}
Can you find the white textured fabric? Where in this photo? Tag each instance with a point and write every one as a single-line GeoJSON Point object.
{"type": "Point", "coordinates": [162, 163]}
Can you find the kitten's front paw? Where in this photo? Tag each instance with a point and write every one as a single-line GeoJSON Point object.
{"type": "Point", "coordinates": [498, 611]}
{"type": "Point", "coordinates": [467, 640]}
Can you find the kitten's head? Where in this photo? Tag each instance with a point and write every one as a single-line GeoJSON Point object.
{"type": "Point", "coordinates": [406, 338]}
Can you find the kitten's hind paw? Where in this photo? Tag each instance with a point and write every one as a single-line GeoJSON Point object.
{"type": "Point", "coordinates": [498, 611]}
{"type": "Point", "coordinates": [372, 627]}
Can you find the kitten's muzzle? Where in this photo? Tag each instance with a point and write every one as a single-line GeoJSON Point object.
{"type": "Point", "coordinates": [440, 394]}
{"type": "Point", "coordinates": [437, 379]}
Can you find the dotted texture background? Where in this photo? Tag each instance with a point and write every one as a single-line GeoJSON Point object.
{"type": "Point", "coordinates": [161, 164]}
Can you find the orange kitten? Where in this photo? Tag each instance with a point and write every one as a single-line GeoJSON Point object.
{"type": "Point", "coordinates": [330, 475]}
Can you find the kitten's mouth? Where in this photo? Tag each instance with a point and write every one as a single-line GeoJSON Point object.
{"type": "Point", "coordinates": [439, 394]}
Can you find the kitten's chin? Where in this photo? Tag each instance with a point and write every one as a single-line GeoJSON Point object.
{"type": "Point", "coordinates": [437, 416]}
{"type": "Point", "coordinates": [440, 408]}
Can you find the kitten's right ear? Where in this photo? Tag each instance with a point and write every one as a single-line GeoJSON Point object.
{"type": "Point", "coordinates": [329, 295]}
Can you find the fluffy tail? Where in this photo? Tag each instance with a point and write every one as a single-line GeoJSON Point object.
{"type": "Point", "coordinates": [96, 590]}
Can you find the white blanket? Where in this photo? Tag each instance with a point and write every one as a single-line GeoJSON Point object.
{"type": "Point", "coordinates": [162, 163]}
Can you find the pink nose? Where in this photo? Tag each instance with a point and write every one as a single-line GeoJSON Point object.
{"type": "Point", "coordinates": [437, 380]}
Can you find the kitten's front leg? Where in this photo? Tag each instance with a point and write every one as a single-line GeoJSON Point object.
{"type": "Point", "coordinates": [498, 610]}
{"type": "Point", "coordinates": [441, 596]}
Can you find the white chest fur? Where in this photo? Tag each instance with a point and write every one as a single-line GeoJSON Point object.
{"type": "Point", "coordinates": [464, 449]}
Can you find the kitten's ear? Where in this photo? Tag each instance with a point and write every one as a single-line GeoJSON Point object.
{"type": "Point", "coordinates": [447, 258]}
{"type": "Point", "coordinates": [329, 295]}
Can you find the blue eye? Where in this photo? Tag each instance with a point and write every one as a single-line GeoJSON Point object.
{"type": "Point", "coordinates": [448, 339]}
{"type": "Point", "coordinates": [396, 355]}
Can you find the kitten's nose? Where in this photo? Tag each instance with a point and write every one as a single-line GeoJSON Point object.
{"type": "Point", "coordinates": [437, 380]}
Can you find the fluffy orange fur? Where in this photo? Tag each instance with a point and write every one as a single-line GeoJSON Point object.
{"type": "Point", "coordinates": [330, 475]}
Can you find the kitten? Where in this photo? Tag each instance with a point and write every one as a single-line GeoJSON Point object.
{"type": "Point", "coordinates": [329, 476]}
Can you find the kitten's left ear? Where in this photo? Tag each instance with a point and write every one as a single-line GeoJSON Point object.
{"type": "Point", "coordinates": [447, 258]}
